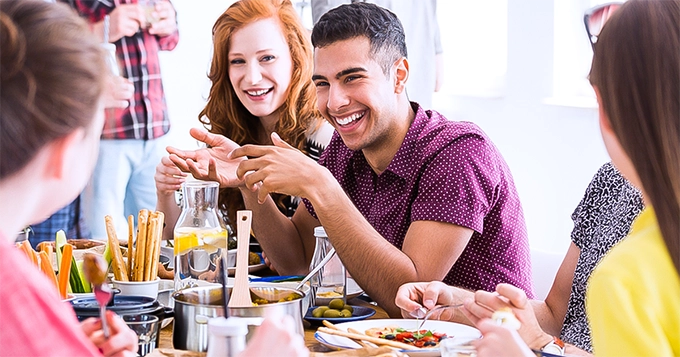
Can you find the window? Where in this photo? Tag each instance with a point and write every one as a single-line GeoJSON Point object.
{"type": "Point", "coordinates": [474, 39]}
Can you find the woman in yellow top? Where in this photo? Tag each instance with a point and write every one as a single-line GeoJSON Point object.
{"type": "Point", "coordinates": [633, 297]}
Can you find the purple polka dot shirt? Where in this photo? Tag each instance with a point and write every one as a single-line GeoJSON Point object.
{"type": "Point", "coordinates": [444, 171]}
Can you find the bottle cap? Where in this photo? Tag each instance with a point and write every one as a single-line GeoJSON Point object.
{"type": "Point", "coordinates": [320, 232]}
{"type": "Point", "coordinates": [232, 326]}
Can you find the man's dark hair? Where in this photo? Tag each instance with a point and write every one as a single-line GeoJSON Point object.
{"type": "Point", "coordinates": [382, 28]}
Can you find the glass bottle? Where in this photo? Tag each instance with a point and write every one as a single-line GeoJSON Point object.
{"type": "Point", "coordinates": [199, 238]}
{"type": "Point", "coordinates": [330, 281]}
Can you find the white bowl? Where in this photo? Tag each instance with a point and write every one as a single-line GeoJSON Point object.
{"type": "Point", "coordinates": [138, 288]}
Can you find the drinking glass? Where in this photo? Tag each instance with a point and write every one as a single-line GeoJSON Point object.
{"type": "Point", "coordinates": [146, 328]}
{"type": "Point", "coordinates": [149, 9]}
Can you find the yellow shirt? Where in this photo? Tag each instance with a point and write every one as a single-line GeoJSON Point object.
{"type": "Point", "coordinates": [633, 296]}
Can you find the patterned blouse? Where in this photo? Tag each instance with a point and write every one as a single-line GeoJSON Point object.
{"type": "Point", "coordinates": [601, 220]}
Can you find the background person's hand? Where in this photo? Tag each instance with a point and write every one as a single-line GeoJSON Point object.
{"type": "Point", "coordinates": [125, 20]}
{"type": "Point", "coordinates": [168, 177]}
{"type": "Point", "coordinates": [514, 298]}
{"type": "Point", "coordinates": [166, 24]}
{"type": "Point", "coordinates": [412, 296]}
{"type": "Point", "coordinates": [119, 90]}
{"type": "Point", "coordinates": [276, 337]}
{"type": "Point", "coordinates": [499, 341]}
{"type": "Point", "coordinates": [212, 163]}
{"type": "Point", "coordinates": [121, 342]}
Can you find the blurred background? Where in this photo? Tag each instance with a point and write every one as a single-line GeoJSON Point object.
{"type": "Point", "coordinates": [517, 68]}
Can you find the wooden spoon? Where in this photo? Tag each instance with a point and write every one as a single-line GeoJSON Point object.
{"type": "Point", "coordinates": [240, 294]}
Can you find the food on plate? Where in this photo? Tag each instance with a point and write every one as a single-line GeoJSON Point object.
{"type": "Point", "coordinates": [253, 259]}
{"type": "Point", "coordinates": [505, 317]}
{"type": "Point", "coordinates": [165, 273]}
{"type": "Point", "coordinates": [420, 338]}
{"type": "Point", "coordinates": [329, 294]}
{"type": "Point", "coordinates": [336, 308]}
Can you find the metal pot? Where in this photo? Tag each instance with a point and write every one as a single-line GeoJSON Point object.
{"type": "Point", "coordinates": [195, 306]}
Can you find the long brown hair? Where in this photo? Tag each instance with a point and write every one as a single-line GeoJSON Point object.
{"type": "Point", "coordinates": [225, 114]}
{"type": "Point", "coordinates": [50, 78]}
{"type": "Point", "coordinates": [636, 67]}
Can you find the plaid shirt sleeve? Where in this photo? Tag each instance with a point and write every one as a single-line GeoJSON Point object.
{"type": "Point", "coordinates": [146, 117]}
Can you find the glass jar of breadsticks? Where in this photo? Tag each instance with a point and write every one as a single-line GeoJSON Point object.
{"type": "Point", "coordinates": [199, 237]}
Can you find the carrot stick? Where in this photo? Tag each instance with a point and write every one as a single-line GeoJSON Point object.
{"type": "Point", "coordinates": [30, 253]}
{"type": "Point", "coordinates": [65, 270]}
{"type": "Point", "coordinates": [46, 267]}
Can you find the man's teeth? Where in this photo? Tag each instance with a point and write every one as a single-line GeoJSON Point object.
{"type": "Point", "coordinates": [258, 92]}
{"type": "Point", "coordinates": [349, 119]}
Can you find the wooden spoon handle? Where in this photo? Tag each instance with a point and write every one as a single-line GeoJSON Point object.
{"type": "Point", "coordinates": [240, 294]}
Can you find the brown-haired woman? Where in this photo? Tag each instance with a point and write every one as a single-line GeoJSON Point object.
{"type": "Point", "coordinates": [633, 297]}
{"type": "Point", "coordinates": [261, 83]}
{"type": "Point", "coordinates": [53, 83]}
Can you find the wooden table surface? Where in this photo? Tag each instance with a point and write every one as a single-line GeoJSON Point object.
{"type": "Point", "coordinates": [165, 348]}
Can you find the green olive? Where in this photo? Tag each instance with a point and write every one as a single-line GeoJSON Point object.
{"type": "Point", "coordinates": [346, 313]}
{"type": "Point", "coordinates": [348, 307]}
{"type": "Point", "coordinates": [337, 304]}
{"type": "Point", "coordinates": [331, 313]}
{"type": "Point", "coordinates": [318, 312]}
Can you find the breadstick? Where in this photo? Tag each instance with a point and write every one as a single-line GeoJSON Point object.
{"type": "Point", "coordinates": [362, 343]}
{"type": "Point", "coordinates": [150, 245]}
{"type": "Point", "coordinates": [330, 325]}
{"type": "Point", "coordinates": [376, 340]}
{"type": "Point", "coordinates": [117, 263]}
{"type": "Point", "coordinates": [157, 246]}
{"type": "Point", "coordinates": [131, 245]}
{"type": "Point", "coordinates": [140, 252]}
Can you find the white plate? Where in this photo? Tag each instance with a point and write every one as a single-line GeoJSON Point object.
{"type": "Point", "coordinates": [251, 268]}
{"type": "Point", "coordinates": [353, 290]}
{"type": "Point", "coordinates": [450, 328]}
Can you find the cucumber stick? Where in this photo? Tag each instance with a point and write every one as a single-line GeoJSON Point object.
{"type": "Point", "coordinates": [59, 243]}
{"type": "Point", "coordinates": [77, 280]}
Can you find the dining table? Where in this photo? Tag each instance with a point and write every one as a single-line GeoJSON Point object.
{"type": "Point", "coordinates": [165, 348]}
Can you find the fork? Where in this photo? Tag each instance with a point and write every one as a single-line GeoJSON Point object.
{"type": "Point", "coordinates": [424, 313]}
{"type": "Point", "coordinates": [102, 293]}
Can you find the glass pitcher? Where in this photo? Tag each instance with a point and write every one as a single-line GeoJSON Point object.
{"type": "Point", "coordinates": [199, 238]}
{"type": "Point", "coordinates": [330, 281]}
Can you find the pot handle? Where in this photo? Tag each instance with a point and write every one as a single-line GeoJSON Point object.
{"type": "Point", "coordinates": [168, 312]}
{"type": "Point", "coordinates": [202, 319]}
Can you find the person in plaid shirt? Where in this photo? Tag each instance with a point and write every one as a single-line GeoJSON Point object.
{"type": "Point", "coordinates": [132, 141]}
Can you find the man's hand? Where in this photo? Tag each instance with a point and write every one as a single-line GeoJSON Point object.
{"type": "Point", "coordinates": [166, 24]}
{"type": "Point", "coordinates": [412, 296]}
{"type": "Point", "coordinates": [211, 164]}
{"type": "Point", "coordinates": [168, 177]}
{"type": "Point", "coordinates": [125, 20]}
{"type": "Point", "coordinates": [508, 296]}
{"type": "Point", "coordinates": [280, 168]}
{"type": "Point", "coordinates": [121, 342]}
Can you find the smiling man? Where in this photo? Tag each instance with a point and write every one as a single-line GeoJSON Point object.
{"type": "Point", "coordinates": [404, 194]}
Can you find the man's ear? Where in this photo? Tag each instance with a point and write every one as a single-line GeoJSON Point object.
{"type": "Point", "coordinates": [401, 72]}
{"type": "Point", "coordinates": [61, 153]}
